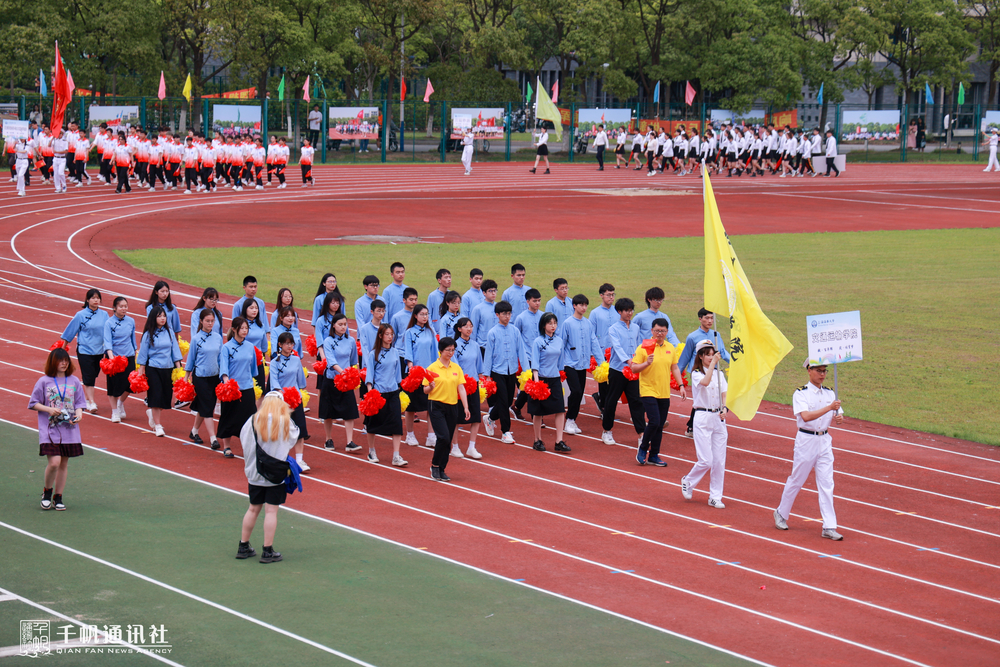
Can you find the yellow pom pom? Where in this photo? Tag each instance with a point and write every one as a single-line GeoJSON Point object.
{"type": "Point", "coordinates": [268, 349]}
{"type": "Point", "coordinates": [305, 369]}
{"type": "Point", "coordinates": [678, 351]}
{"type": "Point", "coordinates": [257, 391]}
{"type": "Point", "coordinates": [305, 398]}
{"type": "Point", "coordinates": [523, 378]}
{"type": "Point", "coordinates": [176, 374]}
{"type": "Point", "coordinates": [183, 344]}
{"type": "Point", "coordinates": [601, 372]}
{"type": "Point", "coordinates": [482, 394]}
{"type": "Point", "coordinates": [404, 401]}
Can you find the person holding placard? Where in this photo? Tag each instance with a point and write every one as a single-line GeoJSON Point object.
{"type": "Point", "coordinates": [815, 407]}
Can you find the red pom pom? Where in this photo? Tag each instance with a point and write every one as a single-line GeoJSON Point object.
{"type": "Point", "coordinates": [57, 344]}
{"type": "Point", "coordinates": [537, 389]}
{"type": "Point", "coordinates": [294, 353]}
{"type": "Point", "coordinates": [359, 348]}
{"type": "Point", "coordinates": [228, 391]}
{"type": "Point", "coordinates": [489, 385]}
{"type": "Point", "coordinates": [607, 354]}
{"type": "Point", "coordinates": [260, 355]}
{"type": "Point", "coordinates": [114, 365]}
{"type": "Point", "coordinates": [183, 391]}
{"type": "Point", "coordinates": [137, 382]}
{"type": "Point", "coordinates": [292, 396]}
{"type": "Point", "coordinates": [371, 403]}
{"type": "Point", "coordinates": [471, 385]}
{"type": "Point", "coordinates": [364, 374]}
{"type": "Point", "coordinates": [562, 376]}
{"type": "Point", "coordinates": [673, 382]}
{"type": "Point", "coordinates": [349, 380]}
{"type": "Point", "coordinates": [320, 366]}
{"type": "Point", "coordinates": [309, 343]}
{"type": "Point", "coordinates": [593, 365]}
{"type": "Point", "coordinates": [628, 373]}
{"type": "Point", "coordinates": [413, 379]}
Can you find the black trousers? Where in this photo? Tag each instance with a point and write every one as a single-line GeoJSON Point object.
{"type": "Point", "coordinates": [501, 400]}
{"type": "Point", "coordinates": [656, 415]}
{"type": "Point", "coordinates": [142, 171]}
{"type": "Point", "coordinates": [618, 385]}
{"type": "Point", "coordinates": [190, 178]}
{"type": "Point", "coordinates": [444, 420]}
{"type": "Point", "coordinates": [235, 173]}
{"type": "Point", "coordinates": [106, 170]}
{"type": "Point", "coordinates": [577, 381]}
{"type": "Point", "coordinates": [123, 180]}
{"type": "Point", "coordinates": [600, 157]}
{"type": "Point", "coordinates": [830, 165]}
{"type": "Point", "coordinates": [206, 178]}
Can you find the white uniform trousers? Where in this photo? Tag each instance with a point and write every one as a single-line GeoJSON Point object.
{"type": "Point", "coordinates": [710, 437]}
{"type": "Point", "coordinates": [811, 451]}
{"type": "Point", "coordinates": [993, 164]}
{"type": "Point", "coordinates": [59, 172]}
{"type": "Point", "coordinates": [467, 158]}
{"type": "Point", "coordinates": [21, 165]}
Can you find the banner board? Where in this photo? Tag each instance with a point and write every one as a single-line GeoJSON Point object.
{"type": "Point", "coordinates": [834, 338]}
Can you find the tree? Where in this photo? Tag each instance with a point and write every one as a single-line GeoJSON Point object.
{"type": "Point", "coordinates": [983, 20]}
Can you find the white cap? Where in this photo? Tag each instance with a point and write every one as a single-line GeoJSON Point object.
{"type": "Point", "coordinates": [702, 344]}
{"type": "Point", "coordinates": [993, 130]}
{"type": "Point", "coordinates": [806, 365]}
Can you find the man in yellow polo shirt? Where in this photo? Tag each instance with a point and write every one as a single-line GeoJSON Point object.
{"type": "Point", "coordinates": [655, 361]}
{"type": "Point", "coordinates": [444, 392]}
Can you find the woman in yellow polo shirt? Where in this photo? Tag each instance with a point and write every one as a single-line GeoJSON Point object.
{"type": "Point", "coordinates": [444, 393]}
{"type": "Point", "coordinates": [654, 369]}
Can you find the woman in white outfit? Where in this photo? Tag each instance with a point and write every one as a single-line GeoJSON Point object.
{"type": "Point", "coordinates": [710, 434]}
{"type": "Point", "coordinates": [467, 151]}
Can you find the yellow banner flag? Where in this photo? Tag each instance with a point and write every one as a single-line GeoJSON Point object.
{"type": "Point", "coordinates": [546, 110]}
{"type": "Point", "coordinates": [187, 89]}
{"type": "Point", "coordinates": [756, 345]}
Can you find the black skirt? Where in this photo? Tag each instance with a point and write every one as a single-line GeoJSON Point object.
{"type": "Point", "coordinates": [236, 413]}
{"type": "Point", "coordinates": [161, 388]}
{"type": "Point", "coordinates": [90, 367]}
{"type": "Point", "coordinates": [299, 419]}
{"type": "Point", "coordinates": [388, 420]}
{"type": "Point", "coordinates": [475, 412]}
{"type": "Point", "coordinates": [336, 404]}
{"type": "Point", "coordinates": [118, 383]}
{"type": "Point", "coordinates": [542, 150]}
{"type": "Point", "coordinates": [204, 395]}
{"type": "Point", "coordinates": [553, 405]}
{"type": "Point", "coordinates": [418, 401]}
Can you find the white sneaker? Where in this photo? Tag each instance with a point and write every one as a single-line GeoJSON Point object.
{"type": "Point", "coordinates": [411, 439]}
{"type": "Point", "coordinates": [372, 457]}
{"type": "Point", "coordinates": [717, 504]}
{"type": "Point", "coordinates": [456, 452]}
{"type": "Point", "coordinates": [571, 428]}
{"type": "Point", "coordinates": [489, 425]}
{"type": "Point", "coordinates": [507, 438]}
{"type": "Point", "coordinates": [159, 431]}
{"type": "Point", "coordinates": [187, 192]}
{"type": "Point", "coordinates": [305, 466]}
{"type": "Point", "coordinates": [258, 187]}
{"type": "Point", "coordinates": [149, 415]}
{"type": "Point", "coordinates": [398, 461]}
{"type": "Point", "coordinates": [115, 417]}
{"type": "Point", "coordinates": [473, 453]}
{"type": "Point", "coordinates": [92, 407]}
{"type": "Point", "coordinates": [607, 438]}
{"type": "Point", "coordinates": [686, 489]}
{"type": "Point", "coordinates": [431, 440]}
{"type": "Point", "coordinates": [121, 408]}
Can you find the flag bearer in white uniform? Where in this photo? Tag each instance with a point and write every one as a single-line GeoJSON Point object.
{"type": "Point", "coordinates": [22, 153]}
{"type": "Point", "coordinates": [708, 388]}
{"type": "Point", "coordinates": [815, 407]}
{"type": "Point", "coordinates": [467, 151]}
{"type": "Point", "coordinates": [60, 146]}
{"type": "Point", "coordinates": [993, 151]}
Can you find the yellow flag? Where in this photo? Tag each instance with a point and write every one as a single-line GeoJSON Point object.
{"type": "Point", "coordinates": [756, 345]}
{"type": "Point", "coordinates": [187, 89]}
{"type": "Point", "coordinates": [546, 110]}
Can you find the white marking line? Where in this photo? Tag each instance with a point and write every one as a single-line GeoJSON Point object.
{"type": "Point", "coordinates": [52, 612]}
{"type": "Point", "coordinates": [878, 203]}
{"type": "Point", "coordinates": [911, 193]}
{"type": "Point", "coordinates": [386, 540]}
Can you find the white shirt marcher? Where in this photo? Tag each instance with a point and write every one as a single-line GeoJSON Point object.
{"type": "Point", "coordinates": [993, 163]}
{"type": "Point", "coordinates": [467, 140]}
{"type": "Point", "coordinates": [315, 118]}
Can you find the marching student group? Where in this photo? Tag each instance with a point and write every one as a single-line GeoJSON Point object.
{"type": "Point", "coordinates": [458, 359]}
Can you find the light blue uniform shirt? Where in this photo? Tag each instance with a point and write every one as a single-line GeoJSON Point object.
{"type": "Point", "coordinates": [238, 361]}
{"type": "Point", "coordinates": [173, 319]}
{"type": "Point", "coordinates": [470, 300]}
{"type": "Point", "coordinates": [484, 318]}
{"type": "Point", "coordinates": [261, 308]}
{"type": "Point", "coordinates": [196, 318]}
{"type": "Point", "coordinates": [446, 325]}
{"type": "Point", "coordinates": [119, 336]}
{"type": "Point", "coordinates": [399, 322]}
{"type": "Point", "coordinates": [469, 357]}
{"type": "Point", "coordinates": [280, 329]}
{"type": "Point", "coordinates": [160, 350]}
{"type": "Point", "coordinates": [562, 309]}
{"type": "Point", "coordinates": [204, 353]}
{"type": "Point", "coordinates": [274, 319]}
{"type": "Point", "coordinates": [504, 351]}
{"type": "Point", "coordinates": [547, 356]}
{"type": "Point", "coordinates": [318, 308]}
{"type": "Point", "coordinates": [686, 361]}
{"type": "Point", "coordinates": [89, 326]}
{"type": "Point", "coordinates": [644, 321]}
{"type": "Point", "coordinates": [257, 336]}
{"type": "Point", "coordinates": [420, 346]}
{"type": "Point", "coordinates": [339, 351]}
{"type": "Point", "coordinates": [624, 341]}
{"type": "Point", "coordinates": [527, 324]}
{"type": "Point", "coordinates": [393, 298]}
{"type": "Point", "coordinates": [602, 318]}
{"type": "Point", "coordinates": [366, 335]}
{"type": "Point", "coordinates": [383, 372]}
{"type": "Point", "coordinates": [580, 343]}
{"type": "Point", "coordinates": [323, 328]}
{"type": "Point", "coordinates": [363, 310]}
{"type": "Point", "coordinates": [287, 372]}
{"type": "Point", "coordinates": [514, 295]}
{"type": "Point", "coordinates": [434, 301]}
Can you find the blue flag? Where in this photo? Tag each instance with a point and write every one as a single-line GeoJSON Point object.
{"type": "Point", "coordinates": [928, 93]}
{"type": "Point", "coordinates": [42, 88]}
{"type": "Point", "coordinates": [819, 95]}
{"type": "Point", "coordinates": [656, 93]}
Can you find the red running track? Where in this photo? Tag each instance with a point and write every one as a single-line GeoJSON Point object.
{"type": "Point", "coordinates": [915, 581]}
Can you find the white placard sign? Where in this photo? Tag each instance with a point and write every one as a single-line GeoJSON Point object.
{"type": "Point", "coordinates": [461, 121]}
{"type": "Point", "coordinates": [15, 129]}
{"type": "Point", "coordinates": [834, 338]}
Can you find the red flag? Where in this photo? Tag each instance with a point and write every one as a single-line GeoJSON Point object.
{"type": "Point", "coordinates": [305, 89]}
{"type": "Point", "coordinates": [429, 91]}
{"type": "Point", "coordinates": [361, 114]}
{"type": "Point", "coordinates": [555, 92]}
{"type": "Point", "coordinates": [689, 94]}
{"type": "Point", "coordinates": [162, 92]}
{"type": "Point", "coordinates": [402, 89]}
{"type": "Point", "coordinates": [62, 92]}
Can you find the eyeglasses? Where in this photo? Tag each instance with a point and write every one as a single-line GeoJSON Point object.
{"type": "Point", "coordinates": [818, 370]}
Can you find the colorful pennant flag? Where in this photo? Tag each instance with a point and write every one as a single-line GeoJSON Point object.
{"type": "Point", "coordinates": [187, 89]}
{"type": "Point", "coordinates": [162, 93]}
{"type": "Point", "coordinates": [429, 91]}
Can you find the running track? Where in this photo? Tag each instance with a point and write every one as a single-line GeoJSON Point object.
{"type": "Point", "coordinates": [916, 581]}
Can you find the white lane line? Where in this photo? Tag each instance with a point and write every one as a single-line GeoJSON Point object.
{"type": "Point", "coordinates": [408, 547]}
{"type": "Point", "coordinates": [878, 203]}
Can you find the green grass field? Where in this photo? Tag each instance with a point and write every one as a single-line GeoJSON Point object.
{"type": "Point", "coordinates": [384, 604]}
{"type": "Point", "coordinates": [926, 299]}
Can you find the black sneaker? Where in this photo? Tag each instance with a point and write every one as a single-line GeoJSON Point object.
{"type": "Point", "coordinates": [532, 170]}
{"type": "Point", "coordinates": [245, 551]}
{"type": "Point", "coordinates": [57, 503]}
{"type": "Point", "coordinates": [270, 556]}
{"type": "Point", "coordinates": [547, 171]}
{"type": "Point", "coordinates": [195, 438]}
{"type": "Point", "coordinates": [46, 499]}
{"type": "Point", "coordinates": [562, 447]}
{"type": "Point", "coordinates": [216, 445]}
{"type": "Point", "coordinates": [443, 477]}
{"type": "Point", "coordinates": [436, 473]}
{"type": "Point", "coordinates": [351, 447]}
{"type": "Point", "coordinates": [329, 445]}
{"type": "Point", "coordinates": [539, 446]}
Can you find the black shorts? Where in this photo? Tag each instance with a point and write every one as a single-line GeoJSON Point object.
{"type": "Point", "coordinates": [204, 395]}
{"type": "Point", "coordinates": [299, 419]}
{"type": "Point", "coordinates": [236, 413]}
{"type": "Point", "coordinates": [475, 412]}
{"type": "Point", "coordinates": [161, 388]}
{"type": "Point", "coordinates": [336, 404]}
{"type": "Point", "coordinates": [388, 420]}
{"type": "Point", "coordinates": [118, 383]}
{"type": "Point", "coordinates": [90, 367]}
{"type": "Point", "coordinates": [271, 495]}
{"type": "Point", "coordinates": [553, 405]}
{"type": "Point", "coordinates": [64, 449]}
{"type": "Point", "coordinates": [542, 150]}
{"type": "Point", "coordinates": [418, 400]}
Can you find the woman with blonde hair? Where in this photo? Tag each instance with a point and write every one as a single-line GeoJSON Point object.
{"type": "Point", "coordinates": [267, 438]}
